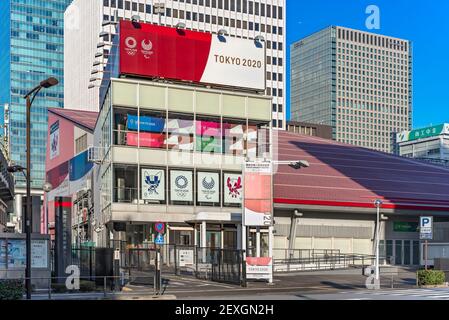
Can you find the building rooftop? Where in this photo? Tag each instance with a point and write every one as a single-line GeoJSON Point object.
{"type": "Point", "coordinates": [85, 119]}
{"type": "Point", "coordinates": [342, 175]}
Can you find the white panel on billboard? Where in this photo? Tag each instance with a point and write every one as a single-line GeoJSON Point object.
{"type": "Point", "coordinates": [232, 188]}
{"type": "Point", "coordinates": [236, 62]}
{"type": "Point", "coordinates": [153, 184]}
{"type": "Point", "coordinates": [208, 187]}
{"type": "Point", "coordinates": [181, 185]}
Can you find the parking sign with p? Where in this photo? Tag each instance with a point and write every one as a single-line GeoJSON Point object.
{"type": "Point", "coordinates": [426, 228]}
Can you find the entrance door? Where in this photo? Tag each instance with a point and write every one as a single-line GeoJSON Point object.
{"type": "Point", "coordinates": [213, 239]}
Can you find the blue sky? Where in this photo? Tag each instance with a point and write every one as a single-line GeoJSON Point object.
{"type": "Point", "coordinates": [425, 22]}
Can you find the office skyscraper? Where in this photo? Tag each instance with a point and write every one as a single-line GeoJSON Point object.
{"type": "Point", "coordinates": [360, 83]}
{"type": "Point", "coordinates": [85, 20]}
{"type": "Point", "coordinates": [31, 50]}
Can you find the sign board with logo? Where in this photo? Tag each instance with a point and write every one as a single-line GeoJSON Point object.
{"type": "Point", "coordinates": [208, 187]}
{"type": "Point", "coordinates": [259, 268]}
{"type": "Point", "coordinates": [157, 51]}
{"type": "Point", "coordinates": [258, 203]}
{"type": "Point", "coordinates": [153, 184]}
{"type": "Point", "coordinates": [232, 188]}
{"type": "Point", "coordinates": [181, 185]}
{"type": "Point", "coordinates": [54, 140]}
{"type": "Point", "coordinates": [423, 133]}
{"type": "Point", "coordinates": [426, 228]}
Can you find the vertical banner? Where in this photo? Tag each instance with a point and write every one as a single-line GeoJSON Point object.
{"type": "Point", "coordinates": [63, 236]}
{"type": "Point", "coordinates": [258, 200]}
{"type": "Point", "coordinates": [208, 187]}
{"type": "Point", "coordinates": [54, 140]}
{"type": "Point", "coordinates": [153, 184]}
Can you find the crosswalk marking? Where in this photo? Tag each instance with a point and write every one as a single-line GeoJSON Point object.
{"type": "Point", "coordinates": [412, 293]}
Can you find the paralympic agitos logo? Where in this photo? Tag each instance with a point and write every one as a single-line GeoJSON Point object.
{"type": "Point", "coordinates": [131, 47]}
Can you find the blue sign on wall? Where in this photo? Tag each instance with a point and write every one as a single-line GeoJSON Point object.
{"type": "Point", "coordinates": [148, 124]}
{"type": "Point", "coordinates": [79, 166]}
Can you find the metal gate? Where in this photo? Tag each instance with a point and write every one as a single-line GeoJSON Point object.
{"type": "Point", "coordinates": [227, 266]}
{"type": "Point", "coordinates": [140, 265]}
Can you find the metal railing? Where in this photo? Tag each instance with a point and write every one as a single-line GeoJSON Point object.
{"type": "Point", "coordinates": [309, 260]}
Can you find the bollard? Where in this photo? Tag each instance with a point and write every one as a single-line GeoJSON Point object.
{"type": "Point", "coordinates": [392, 281]}
{"type": "Point", "coordinates": [104, 286]}
{"type": "Point", "coordinates": [49, 289]}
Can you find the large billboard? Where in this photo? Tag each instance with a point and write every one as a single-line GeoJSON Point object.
{"type": "Point", "coordinates": [154, 51]}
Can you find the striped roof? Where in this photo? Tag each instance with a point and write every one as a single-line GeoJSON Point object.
{"type": "Point", "coordinates": [85, 119]}
{"type": "Point", "coordinates": [348, 176]}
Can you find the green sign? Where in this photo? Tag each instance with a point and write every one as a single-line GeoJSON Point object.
{"type": "Point", "coordinates": [405, 226]}
{"type": "Point", "coordinates": [426, 132]}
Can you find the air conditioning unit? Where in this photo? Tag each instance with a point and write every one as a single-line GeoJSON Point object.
{"type": "Point", "coordinates": [95, 155]}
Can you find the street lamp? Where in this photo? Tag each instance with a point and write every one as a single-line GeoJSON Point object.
{"type": "Point", "coordinates": [29, 97]}
{"type": "Point", "coordinates": [377, 203]}
{"type": "Point", "coordinates": [47, 187]}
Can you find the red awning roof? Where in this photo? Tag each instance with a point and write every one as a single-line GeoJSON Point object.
{"type": "Point", "coordinates": [86, 119]}
{"type": "Point", "coordinates": [347, 176]}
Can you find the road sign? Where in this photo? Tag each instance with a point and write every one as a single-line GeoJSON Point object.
{"type": "Point", "coordinates": [426, 228]}
{"type": "Point", "coordinates": [159, 227]}
{"type": "Point", "coordinates": [159, 239]}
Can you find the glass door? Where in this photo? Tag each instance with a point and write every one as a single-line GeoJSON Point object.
{"type": "Point", "coordinates": [407, 252]}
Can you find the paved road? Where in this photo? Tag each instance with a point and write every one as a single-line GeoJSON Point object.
{"type": "Point", "coordinates": [394, 294]}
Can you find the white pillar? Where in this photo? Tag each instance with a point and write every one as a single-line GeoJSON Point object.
{"type": "Point", "coordinates": [203, 234]}
{"type": "Point", "coordinates": [195, 236]}
{"type": "Point", "coordinates": [258, 242]}
{"type": "Point", "coordinates": [222, 237]}
{"type": "Point", "coordinates": [18, 210]}
{"type": "Point", "coordinates": [270, 250]}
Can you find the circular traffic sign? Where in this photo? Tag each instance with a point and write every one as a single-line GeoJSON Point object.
{"type": "Point", "coordinates": [159, 227]}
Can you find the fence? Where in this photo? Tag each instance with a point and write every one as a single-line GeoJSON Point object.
{"type": "Point", "coordinates": [286, 260]}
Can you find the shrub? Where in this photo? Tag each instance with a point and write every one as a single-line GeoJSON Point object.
{"type": "Point", "coordinates": [11, 289]}
{"type": "Point", "coordinates": [87, 286]}
{"type": "Point", "coordinates": [59, 287]}
{"type": "Point", "coordinates": [431, 277]}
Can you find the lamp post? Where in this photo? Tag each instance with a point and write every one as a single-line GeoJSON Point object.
{"type": "Point", "coordinates": [378, 203]}
{"type": "Point", "coordinates": [29, 97]}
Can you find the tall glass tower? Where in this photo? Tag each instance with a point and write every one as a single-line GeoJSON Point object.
{"type": "Point", "coordinates": [31, 50]}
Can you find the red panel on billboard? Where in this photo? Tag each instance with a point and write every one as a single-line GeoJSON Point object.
{"type": "Point", "coordinates": [154, 51]}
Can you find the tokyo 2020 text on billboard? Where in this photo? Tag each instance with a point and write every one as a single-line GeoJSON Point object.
{"type": "Point", "coordinates": [153, 51]}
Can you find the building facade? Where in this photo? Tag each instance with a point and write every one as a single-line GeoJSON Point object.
{"type": "Point", "coordinates": [32, 50]}
{"type": "Point", "coordinates": [70, 133]}
{"type": "Point", "coordinates": [430, 143]}
{"type": "Point", "coordinates": [174, 153]}
{"type": "Point", "coordinates": [310, 129]}
{"type": "Point", "coordinates": [359, 83]}
{"type": "Point", "coordinates": [330, 204]}
{"type": "Point", "coordinates": [239, 18]}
